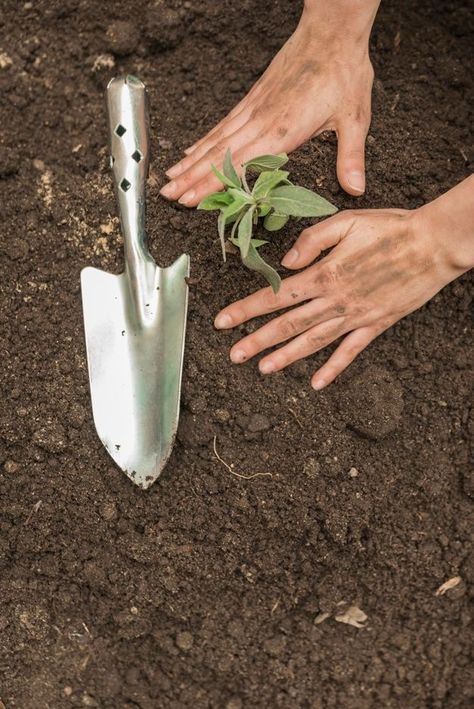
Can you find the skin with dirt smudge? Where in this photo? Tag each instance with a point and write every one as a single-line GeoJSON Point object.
{"type": "Point", "coordinates": [320, 80]}
{"type": "Point", "coordinates": [386, 263]}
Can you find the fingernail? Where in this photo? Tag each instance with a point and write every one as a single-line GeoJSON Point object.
{"type": "Point", "coordinates": [356, 181]}
{"type": "Point", "coordinates": [290, 258]}
{"type": "Point", "coordinates": [174, 171]}
{"type": "Point", "coordinates": [169, 189]}
{"type": "Point", "coordinates": [187, 197]}
{"type": "Point", "coordinates": [223, 321]}
{"type": "Point", "coordinates": [319, 384]}
{"type": "Point", "coordinates": [238, 356]}
{"type": "Point", "coordinates": [266, 367]}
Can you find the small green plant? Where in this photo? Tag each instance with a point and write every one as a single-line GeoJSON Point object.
{"type": "Point", "coordinates": [272, 198]}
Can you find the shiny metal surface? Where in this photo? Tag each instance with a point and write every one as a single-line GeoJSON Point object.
{"type": "Point", "coordinates": [135, 322]}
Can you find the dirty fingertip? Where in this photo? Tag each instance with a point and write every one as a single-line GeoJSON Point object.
{"type": "Point", "coordinates": [237, 356]}
{"type": "Point", "coordinates": [223, 321]}
{"type": "Point", "coordinates": [318, 383]}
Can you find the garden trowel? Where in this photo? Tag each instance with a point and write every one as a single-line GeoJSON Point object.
{"type": "Point", "coordinates": [135, 322]}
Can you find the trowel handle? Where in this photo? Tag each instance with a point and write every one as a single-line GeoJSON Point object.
{"type": "Point", "coordinates": [129, 158]}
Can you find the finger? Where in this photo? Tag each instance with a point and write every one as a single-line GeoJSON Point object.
{"type": "Point", "coordinates": [283, 328]}
{"type": "Point", "coordinates": [350, 347]}
{"type": "Point", "coordinates": [229, 126]}
{"type": "Point", "coordinates": [183, 185]}
{"type": "Point", "coordinates": [292, 291]}
{"type": "Point", "coordinates": [203, 186]}
{"type": "Point", "coordinates": [310, 342]}
{"type": "Point", "coordinates": [317, 238]}
{"type": "Point", "coordinates": [254, 91]}
{"type": "Point", "coordinates": [351, 156]}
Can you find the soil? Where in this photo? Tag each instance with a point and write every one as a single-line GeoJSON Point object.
{"type": "Point", "coordinates": [211, 590]}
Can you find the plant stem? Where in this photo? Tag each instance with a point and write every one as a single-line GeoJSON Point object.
{"type": "Point", "coordinates": [245, 183]}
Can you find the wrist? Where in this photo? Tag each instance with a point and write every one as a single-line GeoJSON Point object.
{"type": "Point", "coordinates": [448, 222]}
{"type": "Point", "coordinates": [343, 25]}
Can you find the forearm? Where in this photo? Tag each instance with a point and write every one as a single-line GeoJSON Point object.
{"type": "Point", "coordinates": [341, 22]}
{"type": "Point", "coordinates": [450, 219]}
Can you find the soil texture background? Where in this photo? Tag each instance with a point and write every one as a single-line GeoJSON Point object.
{"type": "Point", "coordinates": [211, 590]}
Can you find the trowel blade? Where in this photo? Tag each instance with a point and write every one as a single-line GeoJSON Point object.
{"type": "Point", "coordinates": [135, 366]}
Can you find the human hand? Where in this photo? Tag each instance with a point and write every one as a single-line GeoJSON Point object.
{"type": "Point", "coordinates": [385, 263]}
{"type": "Point", "coordinates": [320, 80]}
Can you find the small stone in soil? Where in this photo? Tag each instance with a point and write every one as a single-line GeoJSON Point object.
{"type": "Point", "coordinates": [258, 423]}
{"type": "Point", "coordinates": [108, 511]}
{"type": "Point", "coordinates": [184, 641]}
{"type": "Point", "coordinates": [52, 437]}
{"type": "Point", "coordinates": [122, 37]}
{"type": "Point", "coordinates": [311, 467]}
{"type": "Point", "coordinates": [372, 404]}
{"type": "Point", "coordinates": [233, 703]}
{"type": "Point", "coordinates": [221, 415]}
{"type": "Point", "coordinates": [10, 466]}
{"type": "Point", "coordinates": [164, 26]}
{"type": "Point", "coordinates": [353, 473]}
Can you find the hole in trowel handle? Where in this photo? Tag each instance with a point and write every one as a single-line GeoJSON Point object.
{"type": "Point", "coordinates": [125, 184]}
{"type": "Point", "coordinates": [120, 130]}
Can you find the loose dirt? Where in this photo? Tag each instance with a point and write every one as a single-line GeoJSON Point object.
{"type": "Point", "coordinates": [311, 587]}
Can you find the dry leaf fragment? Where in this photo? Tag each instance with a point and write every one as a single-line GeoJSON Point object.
{"type": "Point", "coordinates": [321, 617]}
{"type": "Point", "coordinates": [352, 616]}
{"type": "Point", "coordinates": [448, 585]}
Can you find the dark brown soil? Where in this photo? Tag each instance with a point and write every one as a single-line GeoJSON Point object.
{"type": "Point", "coordinates": [203, 592]}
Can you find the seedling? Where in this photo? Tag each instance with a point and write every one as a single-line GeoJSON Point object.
{"type": "Point", "coordinates": [272, 198]}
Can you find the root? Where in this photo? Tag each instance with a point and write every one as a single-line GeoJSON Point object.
{"type": "Point", "coordinates": [229, 467]}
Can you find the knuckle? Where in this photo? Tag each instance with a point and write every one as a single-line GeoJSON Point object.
{"type": "Point", "coordinates": [216, 149]}
{"type": "Point", "coordinates": [340, 307]}
{"type": "Point", "coordinates": [347, 215]}
{"type": "Point", "coordinates": [288, 327]}
{"type": "Point", "coordinates": [316, 340]}
{"type": "Point", "coordinates": [329, 276]}
{"type": "Point", "coordinates": [269, 300]}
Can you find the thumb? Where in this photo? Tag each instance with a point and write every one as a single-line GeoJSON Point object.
{"type": "Point", "coordinates": [317, 238]}
{"type": "Point", "coordinates": [351, 156]}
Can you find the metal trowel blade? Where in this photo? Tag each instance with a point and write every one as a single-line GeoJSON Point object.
{"type": "Point", "coordinates": [135, 365]}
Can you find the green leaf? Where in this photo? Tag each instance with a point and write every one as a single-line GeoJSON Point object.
{"type": "Point", "coordinates": [225, 180]}
{"type": "Point", "coordinates": [255, 262]}
{"type": "Point", "coordinates": [239, 194]}
{"type": "Point", "coordinates": [221, 232]}
{"type": "Point", "coordinates": [266, 162]}
{"type": "Point", "coordinates": [258, 242]}
{"type": "Point", "coordinates": [275, 221]}
{"type": "Point", "coordinates": [216, 200]}
{"type": "Point", "coordinates": [232, 210]}
{"type": "Point", "coordinates": [229, 170]}
{"type": "Point", "coordinates": [263, 210]}
{"type": "Point", "coordinates": [299, 202]}
{"type": "Point", "coordinates": [245, 231]}
{"type": "Point", "coordinates": [266, 181]}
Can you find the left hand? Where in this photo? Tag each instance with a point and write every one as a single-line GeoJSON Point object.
{"type": "Point", "coordinates": [385, 264]}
